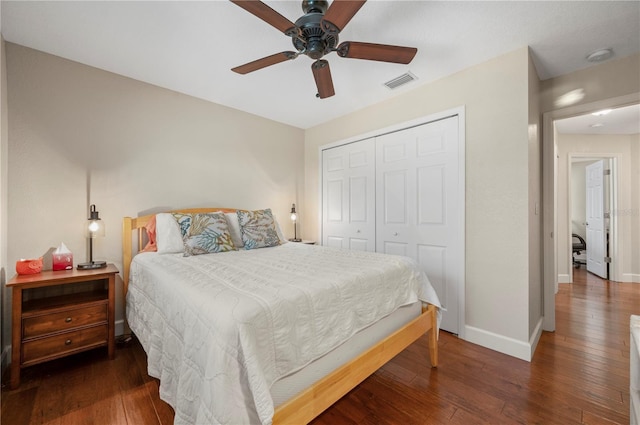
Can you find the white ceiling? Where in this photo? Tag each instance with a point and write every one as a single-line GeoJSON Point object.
{"type": "Point", "coordinates": [190, 46]}
{"type": "Point", "coordinates": [625, 120]}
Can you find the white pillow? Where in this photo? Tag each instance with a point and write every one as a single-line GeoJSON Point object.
{"type": "Point", "coordinates": [279, 231]}
{"type": "Point", "coordinates": [234, 229]}
{"type": "Point", "coordinates": [168, 236]}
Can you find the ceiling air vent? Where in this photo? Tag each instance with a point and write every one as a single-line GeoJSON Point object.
{"type": "Point", "coordinates": [401, 80]}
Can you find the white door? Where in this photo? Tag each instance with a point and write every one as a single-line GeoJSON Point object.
{"type": "Point", "coordinates": [348, 193]}
{"type": "Point", "coordinates": [417, 205]}
{"type": "Point", "coordinates": [596, 230]}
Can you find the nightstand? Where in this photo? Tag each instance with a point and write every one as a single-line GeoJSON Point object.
{"type": "Point", "coordinates": [59, 313]}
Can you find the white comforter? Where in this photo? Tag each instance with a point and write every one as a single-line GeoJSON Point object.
{"type": "Point", "coordinates": [220, 329]}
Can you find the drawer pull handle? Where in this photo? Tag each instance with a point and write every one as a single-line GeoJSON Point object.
{"type": "Point", "coordinates": [67, 342]}
{"type": "Point", "coordinates": [68, 320]}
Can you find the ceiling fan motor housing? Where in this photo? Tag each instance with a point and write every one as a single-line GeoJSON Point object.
{"type": "Point", "coordinates": [317, 6]}
{"type": "Point", "coordinates": [313, 41]}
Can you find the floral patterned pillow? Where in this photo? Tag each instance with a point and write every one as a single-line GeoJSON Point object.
{"type": "Point", "coordinates": [207, 233]}
{"type": "Point", "coordinates": [258, 228]}
{"type": "Point", "coordinates": [184, 221]}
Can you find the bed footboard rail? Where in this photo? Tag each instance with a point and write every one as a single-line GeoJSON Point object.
{"type": "Point", "coordinates": [302, 408]}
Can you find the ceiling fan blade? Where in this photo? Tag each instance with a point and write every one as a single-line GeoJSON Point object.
{"type": "Point", "coordinates": [264, 62]}
{"type": "Point", "coordinates": [376, 52]}
{"type": "Point", "coordinates": [268, 15]}
{"type": "Point", "coordinates": [322, 75]}
{"type": "Point", "coordinates": [339, 14]}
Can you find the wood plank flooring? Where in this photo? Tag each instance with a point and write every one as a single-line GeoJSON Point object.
{"type": "Point", "coordinates": [579, 375]}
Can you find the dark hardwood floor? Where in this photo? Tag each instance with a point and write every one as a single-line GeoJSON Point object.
{"type": "Point", "coordinates": [579, 375]}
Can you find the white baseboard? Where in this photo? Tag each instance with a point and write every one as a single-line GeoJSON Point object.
{"type": "Point", "coordinates": [564, 278]}
{"type": "Point", "coordinates": [512, 347]}
{"type": "Point", "coordinates": [631, 277]}
{"type": "Point", "coordinates": [535, 338]}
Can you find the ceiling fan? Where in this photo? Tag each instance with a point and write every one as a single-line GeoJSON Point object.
{"type": "Point", "coordinates": [315, 34]}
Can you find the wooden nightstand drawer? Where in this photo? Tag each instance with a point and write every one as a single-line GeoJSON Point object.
{"type": "Point", "coordinates": [43, 324]}
{"type": "Point", "coordinates": [37, 350]}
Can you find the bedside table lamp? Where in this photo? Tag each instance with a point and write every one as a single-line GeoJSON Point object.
{"type": "Point", "coordinates": [294, 218]}
{"type": "Point", "coordinates": [95, 228]}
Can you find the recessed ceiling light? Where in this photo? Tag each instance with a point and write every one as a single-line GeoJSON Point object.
{"type": "Point", "coordinates": [600, 55]}
{"type": "Point", "coordinates": [601, 113]}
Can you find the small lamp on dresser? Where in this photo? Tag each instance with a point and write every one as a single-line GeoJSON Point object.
{"type": "Point", "coordinates": [95, 228]}
{"type": "Point", "coordinates": [294, 218]}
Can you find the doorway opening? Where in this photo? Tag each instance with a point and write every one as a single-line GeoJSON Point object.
{"type": "Point", "coordinates": [552, 239]}
{"type": "Point", "coordinates": [592, 185]}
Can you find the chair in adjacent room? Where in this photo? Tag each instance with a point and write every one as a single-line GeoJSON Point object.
{"type": "Point", "coordinates": [579, 245]}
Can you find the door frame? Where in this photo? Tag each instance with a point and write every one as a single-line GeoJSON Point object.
{"type": "Point", "coordinates": [611, 160]}
{"type": "Point", "coordinates": [549, 192]}
{"type": "Point", "coordinates": [460, 112]}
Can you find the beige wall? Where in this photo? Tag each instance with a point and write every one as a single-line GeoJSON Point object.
{"type": "Point", "coordinates": [4, 143]}
{"type": "Point", "coordinates": [79, 135]}
{"type": "Point", "coordinates": [495, 96]}
{"type": "Point", "coordinates": [635, 206]}
{"type": "Point", "coordinates": [535, 206]}
{"type": "Point", "coordinates": [616, 77]}
{"type": "Point", "coordinates": [622, 147]}
{"type": "Point", "coordinates": [578, 212]}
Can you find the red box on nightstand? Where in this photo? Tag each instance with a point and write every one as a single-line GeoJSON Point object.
{"type": "Point", "coordinates": [63, 261]}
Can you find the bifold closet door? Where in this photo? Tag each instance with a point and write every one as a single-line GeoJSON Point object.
{"type": "Point", "coordinates": [417, 205]}
{"type": "Point", "coordinates": [348, 193]}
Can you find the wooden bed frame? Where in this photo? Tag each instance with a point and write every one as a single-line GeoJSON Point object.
{"type": "Point", "coordinates": [312, 401]}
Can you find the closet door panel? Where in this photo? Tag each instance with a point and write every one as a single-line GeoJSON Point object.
{"type": "Point", "coordinates": [431, 202]}
{"type": "Point", "coordinates": [396, 201]}
{"type": "Point", "coordinates": [334, 201]}
{"type": "Point", "coordinates": [418, 210]}
{"type": "Point", "coordinates": [394, 197]}
{"type": "Point", "coordinates": [433, 260]}
{"type": "Point", "coordinates": [348, 192]}
{"type": "Point", "coordinates": [395, 248]}
{"type": "Point", "coordinates": [358, 199]}
{"type": "Point", "coordinates": [400, 194]}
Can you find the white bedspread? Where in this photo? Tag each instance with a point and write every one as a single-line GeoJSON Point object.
{"type": "Point", "coordinates": [220, 329]}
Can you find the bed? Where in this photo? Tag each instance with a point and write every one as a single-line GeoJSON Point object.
{"type": "Point", "coordinates": [219, 329]}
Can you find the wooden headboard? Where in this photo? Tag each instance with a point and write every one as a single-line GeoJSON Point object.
{"type": "Point", "coordinates": [137, 224]}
